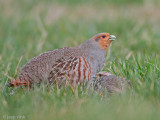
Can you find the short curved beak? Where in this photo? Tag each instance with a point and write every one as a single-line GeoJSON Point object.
{"type": "Point", "coordinates": [112, 37]}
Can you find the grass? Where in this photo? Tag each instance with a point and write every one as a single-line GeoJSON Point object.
{"type": "Point", "coordinates": [29, 28]}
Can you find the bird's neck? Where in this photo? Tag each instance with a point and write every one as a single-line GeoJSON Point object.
{"type": "Point", "coordinates": [92, 51]}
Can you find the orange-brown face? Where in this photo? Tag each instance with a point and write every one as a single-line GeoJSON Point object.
{"type": "Point", "coordinates": [104, 40]}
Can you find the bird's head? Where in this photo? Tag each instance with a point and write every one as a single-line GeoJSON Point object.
{"type": "Point", "coordinates": [103, 39]}
{"type": "Point", "coordinates": [101, 74]}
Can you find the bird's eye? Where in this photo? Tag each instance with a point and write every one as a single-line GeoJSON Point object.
{"type": "Point", "coordinates": [100, 75]}
{"type": "Point", "coordinates": [103, 36]}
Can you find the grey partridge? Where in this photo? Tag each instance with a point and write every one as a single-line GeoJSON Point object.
{"type": "Point", "coordinates": [111, 83]}
{"type": "Point", "coordinates": [74, 64]}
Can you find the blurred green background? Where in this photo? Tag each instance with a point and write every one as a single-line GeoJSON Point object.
{"type": "Point", "coordinates": [31, 27]}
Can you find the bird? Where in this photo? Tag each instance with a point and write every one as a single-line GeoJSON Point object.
{"type": "Point", "coordinates": [74, 64]}
{"type": "Point", "coordinates": [111, 83]}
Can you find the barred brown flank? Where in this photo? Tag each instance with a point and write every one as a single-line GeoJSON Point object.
{"type": "Point", "coordinates": [72, 78]}
{"type": "Point", "coordinates": [85, 68]}
{"type": "Point", "coordinates": [84, 72]}
{"type": "Point", "coordinates": [89, 70]}
{"type": "Point", "coordinates": [60, 65]}
{"type": "Point", "coordinates": [54, 65]}
{"type": "Point", "coordinates": [66, 65]}
{"type": "Point", "coordinates": [79, 70]}
{"type": "Point", "coordinates": [74, 65]}
{"type": "Point", "coordinates": [85, 62]}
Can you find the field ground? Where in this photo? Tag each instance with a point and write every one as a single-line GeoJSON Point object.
{"type": "Point", "coordinates": [28, 28]}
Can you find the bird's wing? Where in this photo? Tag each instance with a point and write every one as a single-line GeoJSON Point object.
{"type": "Point", "coordinates": [74, 68]}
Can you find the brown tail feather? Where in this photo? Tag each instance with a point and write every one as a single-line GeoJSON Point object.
{"type": "Point", "coordinates": [16, 83]}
